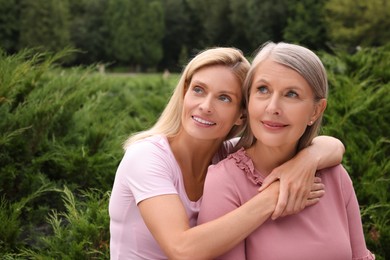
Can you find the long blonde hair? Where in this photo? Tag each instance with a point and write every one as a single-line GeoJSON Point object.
{"type": "Point", "coordinates": [303, 61]}
{"type": "Point", "coordinates": [169, 122]}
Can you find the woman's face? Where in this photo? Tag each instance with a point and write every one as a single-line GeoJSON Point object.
{"type": "Point", "coordinates": [212, 103]}
{"type": "Point", "coordinates": [281, 105]}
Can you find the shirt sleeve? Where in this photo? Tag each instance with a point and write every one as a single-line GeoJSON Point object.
{"type": "Point", "coordinates": [219, 190]}
{"type": "Point", "coordinates": [147, 170]}
{"type": "Point", "coordinates": [356, 234]}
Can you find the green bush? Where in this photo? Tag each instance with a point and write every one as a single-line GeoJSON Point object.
{"type": "Point", "coordinates": [61, 132]}
{"type": "Point", "coordinates": [81, 232]}
{"type": "Point", "coordinates": [63, 127]}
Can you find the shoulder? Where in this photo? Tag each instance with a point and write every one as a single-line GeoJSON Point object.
{"type": "Point", "coordinates": [338, 177]}
{"type": "Point", "coordinates": [152, 146]}
{"type": "Point", "coordinates": [337, 172]}
{"type": "Point", "coordinates": [148, 154]}
{"type": "Point", "coordinates": [149, 143]}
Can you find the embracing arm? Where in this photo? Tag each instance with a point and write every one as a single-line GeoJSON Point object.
{"type": "Point", "coordinates": [168, 222]}
{"type": "Point", "coordinates": [328, 150]}
{"type": "Point", "coordinates": [297, 175]}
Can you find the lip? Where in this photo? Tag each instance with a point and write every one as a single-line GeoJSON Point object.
{"type": "Point", "coordinates": [273, 125]}
{"type": "Point", "coordinates": [202, 121]}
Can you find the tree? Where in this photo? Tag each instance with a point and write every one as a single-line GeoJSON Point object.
{"type": "Point", "coordinates": [153, 33]}
{"type": "Point", "coordinates": [217, 24]}
{"type": "Point", "coordinates": [135, 31]}
{"type": "Point", "coordinates": [305, 24]}
{"type": "Point", "coordinates": [183, 32]}
{"type": "Point", "coordinates": [88, 30]}
{"type": "Point", "coordinates": [9, 25]}
{"type": "Point", "coordinates": [266, 21]}
{"type": "Point", "coordinates": [239, 20]}
{"type": "Point", "coordinates": [353, 23]}
{"type": "Point", "coordinates": [45, 24]}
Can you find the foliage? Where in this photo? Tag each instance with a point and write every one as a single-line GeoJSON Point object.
{"type": "Point", "coordinates": [156, 34]}
{"type": "Point", "coordinates": [78, 233]}
{"type": "Point", "coordinates": [305, 24]}
{"type": "Point", "coordinates": [9, 24]}
{"type": "Point", "coordinates": [135, 31]}
{"type": "Point", "coordinates": [61, 132]}
{"type": "Point", "coordinates": [177, 22]}
{"type": "Point", "coordinates": [44, 24]}
{"type": "Point", "coordinates": [266, 20]}
{"type": "Point", "coordinates": [88, 30]}
{"type": "Point", "coordinates": [11, 216]}
{"type": "Point", "coordinates": [353, 23]}
{"type": "Point", "coordinates": [66, 126]}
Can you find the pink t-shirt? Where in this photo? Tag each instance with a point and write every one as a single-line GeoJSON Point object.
{"type": "Point", "coordinates": [330, 229]}
{"type": "Point", "coordinates": [148, 169]}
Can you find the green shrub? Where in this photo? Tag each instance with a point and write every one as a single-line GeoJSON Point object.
{"type": "Point", "coordinates": [11, 217]}
{"type": "Point", "coordinates": [81, 232]}
{"type": "Point", "coordinates": [68, 126]}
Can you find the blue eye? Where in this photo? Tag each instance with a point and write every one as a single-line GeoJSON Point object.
{"type": "Point", "coordinates": [262, 89]}
{"type": "Point", "coordinates": [197, 89]}
{"type": "Point", "coordinates": [292, 94]}
{"type": "Point", "coordinates": [225, 98]}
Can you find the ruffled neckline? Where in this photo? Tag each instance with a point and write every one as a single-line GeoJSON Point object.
{"type": "Point", "coordinates": [245, 163]}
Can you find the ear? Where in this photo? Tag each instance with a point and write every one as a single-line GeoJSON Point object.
{"type": "Point", "coordinates": [319, 108]}
{"type": "Point", "coordinates": [241, 119]}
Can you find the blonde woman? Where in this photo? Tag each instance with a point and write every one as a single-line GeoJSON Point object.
{"type": "Point", "coordinates": [285, 92]}
{"type": "Point", "coordinates": [158, 186]}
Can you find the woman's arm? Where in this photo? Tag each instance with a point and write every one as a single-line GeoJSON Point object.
{"type": "Point", "coordinates": [297, 175]}
{"type": "Point", "coordinates": [356, 235]}
{"type": "Point", "coordinates": [168, 222]}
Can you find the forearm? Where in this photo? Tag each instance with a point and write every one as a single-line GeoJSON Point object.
{"type": "Point", "coordinates": [218, 236]}
{"type": "Point", "coordinates": [326, 151]}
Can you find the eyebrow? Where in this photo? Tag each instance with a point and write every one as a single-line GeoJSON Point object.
{"type": "Point", "coordinates": [261, 80]}
{"type": "Point", "coordinates": [230, 93]}
{"type": "Point", "coordinates": [205, 85]}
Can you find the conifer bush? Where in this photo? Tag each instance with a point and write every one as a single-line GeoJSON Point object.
{"type": "Point", "coordinates": [64, 128]}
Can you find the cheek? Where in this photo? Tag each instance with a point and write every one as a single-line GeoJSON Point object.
{"type": "Point", "coordinates": [228, 114]}
{"type": "Point", "coordinates": [188, 102]}
{"type": "Point", "coordinates": [255, 108]}
{"type": "Point", "coordinates": [302, 117]}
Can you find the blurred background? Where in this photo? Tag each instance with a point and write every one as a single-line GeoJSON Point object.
{"type": "Point", "coordinates": [154, 35]}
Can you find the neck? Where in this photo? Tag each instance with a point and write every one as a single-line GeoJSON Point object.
{"type": "Point", "coordinates": [194, 157]}
{"type": "Point", "coordinates": [266, 158]}
{"type": "Point", "coordinates": [191, 151]}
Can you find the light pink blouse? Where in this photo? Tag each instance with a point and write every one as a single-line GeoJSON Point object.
{"type": "Point", "coordinates": [147, 169]}
{"type": "Point", "coordinates": [331, 229]}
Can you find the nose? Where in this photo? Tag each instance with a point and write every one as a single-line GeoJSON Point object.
{"type": "Point", "coordinates": [206, 105]}
{"type": "Point", "coordinates": [273, 106]}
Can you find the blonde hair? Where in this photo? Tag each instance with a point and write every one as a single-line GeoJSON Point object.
{"type": "Point", "coordinates": [303, 61]}
{"type": "Point", "coordinates": [169, 122]}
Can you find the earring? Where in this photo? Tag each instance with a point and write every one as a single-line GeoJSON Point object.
{"type": "Point", "coordinates": [311, 122]}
